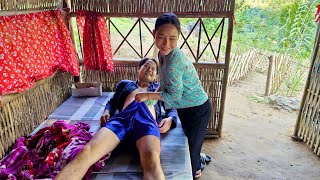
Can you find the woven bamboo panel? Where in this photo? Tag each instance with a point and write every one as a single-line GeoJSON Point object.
{"type": "Point", "coordinates": [22, 114]}
{"type": "Point", "coordinates": [279, 70]}
{"type": "Point", "coordinates": [211, 76]}
{"type": "Point", "coordinates": [212, 81]}
{"type": "Point", "coordinates": [22, 5]}
{"type": "Point", "coordinates": [241, 65]}
{"type": "Point", "coordinates": [148, 8]}
{"type": "Point", "coordinates": [308, 122]}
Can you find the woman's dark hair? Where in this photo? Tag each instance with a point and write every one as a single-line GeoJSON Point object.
{"type": "Point", "coordinates": [144, 60]}
{"type": "Point", "coordinates": [168, 18]}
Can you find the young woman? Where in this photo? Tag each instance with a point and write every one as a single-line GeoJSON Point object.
{"type": "Point", "coordinates": [180, 87]}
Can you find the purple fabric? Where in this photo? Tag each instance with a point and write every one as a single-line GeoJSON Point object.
{"type": "Point", "coordinates": [12, 163]}
{"type": "Point", "coordinates": [47, 152]}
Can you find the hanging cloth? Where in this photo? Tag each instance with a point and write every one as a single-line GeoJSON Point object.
{"type": "Point", "coordinates": [95, 40]}
{"type": "Point", "coordinates": [317, 14]}
{"type": "Point", "coordinates": [32, 47]}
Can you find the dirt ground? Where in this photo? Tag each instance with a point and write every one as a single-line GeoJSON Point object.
{"type": "Point", "coordinates": [255, 142]}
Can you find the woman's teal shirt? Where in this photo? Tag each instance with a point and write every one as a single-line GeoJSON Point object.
{"type": "Point", "coordinates": [179, 81]}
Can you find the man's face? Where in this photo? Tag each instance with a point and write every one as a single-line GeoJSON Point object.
{"type": "Point", "coordinates": [148, 71]}
{"type": "Point", "coordinates": [166, 38]}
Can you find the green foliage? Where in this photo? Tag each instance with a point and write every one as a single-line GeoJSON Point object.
{"type": "Point", "coordinates": [297, 38]}
{"type": "Point", "coordinates": [76, 37]}
{"type": "Point", "coordinates": [186, 21]}
{"type": "Point", "coordinates": [275, 25]}
{"type": "Point", "coordinates": [256, 27]}
{"type": "Point", "coordinates": [122, 24]}
{"type": "Point", "coordinates": [298, 32]}
{"type": "Point", "coordinates": [286, 27]}
{"type": "Point", "coordinates": [259, 99]}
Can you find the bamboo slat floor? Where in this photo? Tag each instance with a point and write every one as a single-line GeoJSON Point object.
{"type": "Point", "coordinates": [175, 158]}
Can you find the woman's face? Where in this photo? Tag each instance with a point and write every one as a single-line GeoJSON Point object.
{"type": "Point", "coordinates": [166, 38]}
{"type": "Point", "coordinates": [148, 71]}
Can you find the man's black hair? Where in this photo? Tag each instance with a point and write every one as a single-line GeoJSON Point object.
{"type": "Point", "coordinates": [144, 60]}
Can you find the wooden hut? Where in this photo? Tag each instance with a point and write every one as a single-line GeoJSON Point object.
{"type": "Point", "coordinates": [22, 112]}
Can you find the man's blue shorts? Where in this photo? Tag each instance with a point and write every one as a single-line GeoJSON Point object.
{"type": "Point", "coordinates": [135, 121]}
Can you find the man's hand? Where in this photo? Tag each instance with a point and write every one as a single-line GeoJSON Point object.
{"type": "Point", "coordinates": [158, 89]}
{"type": "Point", "coordinates": [104, 118]}
{"type": "Point", "coordinates": [141, 97]}
{"type": "Point", "coordinates": [165, 124]}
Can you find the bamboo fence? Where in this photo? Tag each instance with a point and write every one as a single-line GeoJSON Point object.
{"type": "Point", "coordinates": [278, 68]}
{"type": "Point", "coordinates": [241, 65]}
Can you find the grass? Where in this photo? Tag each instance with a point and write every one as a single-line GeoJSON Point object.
{"type": "Point", "coordinates": [259, 99]}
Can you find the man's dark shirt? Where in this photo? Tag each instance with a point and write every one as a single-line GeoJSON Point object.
{"type": "Point", "coordinates": [125, 87]}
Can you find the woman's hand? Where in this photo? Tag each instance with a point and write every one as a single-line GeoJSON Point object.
{"type": "Point", "coordinates": [141, 97]}
{"type": "Point", "coordinates": [165, 124]}
{"type": "Point", "coordinates": [104, 118]}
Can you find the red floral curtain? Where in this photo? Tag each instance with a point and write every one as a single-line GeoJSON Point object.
{"type": "Point", "coordinates": [317, 14]}
{"type": "Point", "coordinates": [33, 47]}
{"type": "Point", "coordinates": [94, 35]}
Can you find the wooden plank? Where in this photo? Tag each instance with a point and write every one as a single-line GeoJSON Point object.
{"type": "Point", "coordinates": [88, 108]}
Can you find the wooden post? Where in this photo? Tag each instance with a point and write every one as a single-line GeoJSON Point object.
{"type": "Point", "coordinates": [269, 77]}
{"type": "Point", "coordinates": [226, 70]}
{"type": "Point", "coordinates": [68, 4]}
{"type": "Point", "coordinates": [155, 52]}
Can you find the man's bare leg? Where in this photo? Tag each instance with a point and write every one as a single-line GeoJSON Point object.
{"type": "Point", "coordinates": [103, 142]}
{"type": "Point", "coordinates": [149, 150]}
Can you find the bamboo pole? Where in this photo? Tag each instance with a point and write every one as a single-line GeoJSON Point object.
{"type": "Point", "coordinates": [227, 59]}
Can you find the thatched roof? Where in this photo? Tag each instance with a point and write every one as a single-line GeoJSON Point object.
{"type": "Point", "coordinates": [127, 8]}
{"type": "Point", "coordinates": [23, 5]}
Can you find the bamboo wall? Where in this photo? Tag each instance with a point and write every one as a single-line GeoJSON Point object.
{"type": "Point", "coordinates": [308, 122]}
{"type": "Point", "coordinates": [21, 113]}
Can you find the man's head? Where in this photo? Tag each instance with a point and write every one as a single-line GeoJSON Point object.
{"type": "Point", "coordinates": [148, 70]}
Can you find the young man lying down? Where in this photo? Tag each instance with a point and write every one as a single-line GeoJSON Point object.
{"type": "Point", "coordinates": [141, 123]}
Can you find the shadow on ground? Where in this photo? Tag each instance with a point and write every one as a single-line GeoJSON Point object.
{"type": "Point", "coordinates": [255, 142]}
